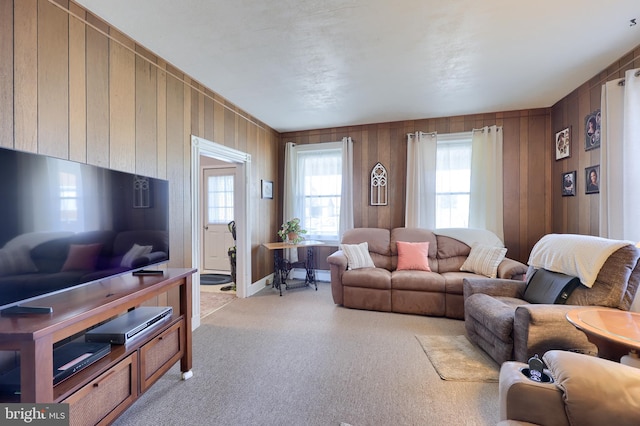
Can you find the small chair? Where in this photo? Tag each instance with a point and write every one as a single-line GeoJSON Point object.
{"type": "Point", "coordinates": [586, 391]}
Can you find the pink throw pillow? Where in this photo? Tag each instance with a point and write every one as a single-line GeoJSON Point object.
{"type": "Point", "coordinates": [413, 256]}
{"type": "Point", "coordinates": [82, 257]}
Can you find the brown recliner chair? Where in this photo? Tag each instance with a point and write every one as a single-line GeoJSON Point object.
{"type": "Point", "coordinates": [586, 391]}
{"type": "Point", "coordinates": [500, 321]}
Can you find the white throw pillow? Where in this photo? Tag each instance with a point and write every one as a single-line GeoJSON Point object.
{"type": "Point", "coordinates": [357, 255]}
{"type": "Point", "coordinates": [484, 260]}
{"type": "Point", "coordinates": [134, 252]}
{"type": "Point", "coordinates": [16, 261]}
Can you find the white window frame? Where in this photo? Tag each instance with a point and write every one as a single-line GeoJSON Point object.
{"type": "Point", "coordinates": [226, 207]}
{"type": "Point", "coordinates": [448, 139]}
{"type": "Point", "coordinates": [301, 205]}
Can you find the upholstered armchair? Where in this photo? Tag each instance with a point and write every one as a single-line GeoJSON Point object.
{"type": "Point", "coordinates": [586, 391]}
{"type": "Point", "coordinates": [500, 320]}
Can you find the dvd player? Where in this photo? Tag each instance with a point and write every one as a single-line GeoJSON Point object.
{"type": "Point", "coordinates": [68, 359]}
{"type": "Point", "coordinates": [131, 325]}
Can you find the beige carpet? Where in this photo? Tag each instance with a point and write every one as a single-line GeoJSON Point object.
{"type": "Point", "coordinates": [457, 359]}
{"type": "Point", "coordinates": [299, 359]}
{"type": "Point", "coordinates": [212, 301]}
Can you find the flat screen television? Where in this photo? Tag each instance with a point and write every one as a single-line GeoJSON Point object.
{"type": "Point", "coordinates": [65, 224]}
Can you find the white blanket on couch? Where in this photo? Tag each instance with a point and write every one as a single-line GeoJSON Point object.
{"type": "Point", "coordinates": [471, 235]}
{"type": "Point", "coordinates": [580, 256]}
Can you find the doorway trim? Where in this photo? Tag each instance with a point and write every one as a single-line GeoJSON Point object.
{"type": "Point", "coordinates": [242, 161]}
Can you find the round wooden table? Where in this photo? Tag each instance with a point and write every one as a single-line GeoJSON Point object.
{"type": "Point", "coordinates": [613, 331]}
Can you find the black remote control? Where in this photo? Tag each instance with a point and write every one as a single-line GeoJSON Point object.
{"type": "Point", "coordinates": [26, 310]}
{"type": "Point", "coordinates": [148, 272]}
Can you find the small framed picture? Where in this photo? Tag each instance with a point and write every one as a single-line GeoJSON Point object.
{"type": "Point", "coordinates": [592, 130]}
{"type": "Point", "coordinates": [267, 189]}
{"type": "Point", "coordinates": [569, 184]}
{"type": "Point", "coordinates": [563, 144]}
{"type": "Point", "coordinates": [592, 179]}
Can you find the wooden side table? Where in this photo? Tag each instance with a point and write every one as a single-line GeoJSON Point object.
{"type": "Point", "coordinates": [282, 266]}
{"type": "Point", "coordinates": [613, 331]}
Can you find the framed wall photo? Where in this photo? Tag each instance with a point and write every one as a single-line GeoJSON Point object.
{"type": "Point", "coordinates": [563, 143]}
{"type": "Point", "coordinates": [569, 184]}
{"type": "Point", "coordinates": [592, 179]}
{"type": "Point", "coordinates": [267, 189]}
{"type": "Point", "coordinates": [592, 130]}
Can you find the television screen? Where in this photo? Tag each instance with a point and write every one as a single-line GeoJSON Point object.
{"type": "Point", "coordinates": [64, 224]}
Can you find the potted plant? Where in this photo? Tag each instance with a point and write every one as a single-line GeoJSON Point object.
{"type": "Point", "coordinates": [291, 231]}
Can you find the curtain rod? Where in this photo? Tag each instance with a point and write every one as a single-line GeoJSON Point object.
{"type": "Point", "coordinates": [621, 82]}
{"type": "Point", "coordinates": [606, 78]}
{"type": "Point", "coordinates": [422, 133]}
{"type": "Point", "coordinates": [498, 128]}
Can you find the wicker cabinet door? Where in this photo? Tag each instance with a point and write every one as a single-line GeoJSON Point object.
{"type": "Point", "coordinates": [158, 355]}
{"type": "Point", "coordinates": [104, 398]}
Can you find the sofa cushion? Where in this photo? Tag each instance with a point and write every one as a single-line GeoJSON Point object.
{"type": "Point", "coordinates": [413, 235]}
{"type": "Point", "coordinates": [375, 278]}
{"type": "Point", "coordinates": [379, 244]}
{"type": "Point", "coordinates": [453, 281]}
{"type": "Point", "coordinates": [550, 287]}
{"type": "Point", "coordinates": [451, 254]}
{"type": "Point", "coordinates": [50, 255]}
{"type": "Point", "coordinates": [596, 391]}
{"type": "Point", "coordinates": [484, 260]}
{"type": "Point", "coordinates": [357, 255]}
{"type": "Point", "coordinates": [417, 281]}
{"type": "Point", "coordinates": [413, 256]}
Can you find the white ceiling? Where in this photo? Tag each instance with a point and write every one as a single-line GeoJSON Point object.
{"type": "Point", "coordinates": [308, 64]}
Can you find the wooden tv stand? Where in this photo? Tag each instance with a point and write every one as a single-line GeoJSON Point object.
{"type": "Point", "coordinates": [115, 381]}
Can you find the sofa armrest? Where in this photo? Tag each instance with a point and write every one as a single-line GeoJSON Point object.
{"type": "Point", "coordinates": [524, 401]}
{"type": "Point", "coordinates": [337, 258]}
{"type": "Point", "coordinates": [538, 328]}
{"type": "Point", "coordinates": [512, 269]}
{"type": "Point", "coordinates": [493, 287]}
{"type": "Point", "coordinates": [337, 266]}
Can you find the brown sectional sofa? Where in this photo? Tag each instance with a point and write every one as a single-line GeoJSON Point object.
{"type": "Point", "coordinates": [383, 288]}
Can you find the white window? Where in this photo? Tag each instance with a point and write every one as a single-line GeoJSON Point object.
{"type": "Point", "coordinates": [319, 184]}
{"type": "Point", "coordinates": [453, 180]}
{"type": "Point", "coordinates": [68, 198]}
{"type": "Point", "coordinates": [220, 199]}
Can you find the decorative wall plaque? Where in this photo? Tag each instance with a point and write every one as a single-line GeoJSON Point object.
{"type": "Point", "coordinates": [379, 185]}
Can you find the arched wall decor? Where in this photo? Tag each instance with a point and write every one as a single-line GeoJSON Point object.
{"type": "Point", "coordinates": [378, 185]}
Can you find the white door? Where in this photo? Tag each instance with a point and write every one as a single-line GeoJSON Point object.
{"type": "Point", "coordinates": [218, 188]}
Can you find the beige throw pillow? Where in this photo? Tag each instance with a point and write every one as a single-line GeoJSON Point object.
{"type": "Point", "coordinates": [134, 252]}
{"type": "Point", "coordinates": [484, 260]}
{"type": "Point", "coordinates": [357, 255]}
{"type": "Point", "coordinates": [16, 261]}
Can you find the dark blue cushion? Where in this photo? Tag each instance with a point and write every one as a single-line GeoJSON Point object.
{"type": "Point", "coordinates": [550, 287]}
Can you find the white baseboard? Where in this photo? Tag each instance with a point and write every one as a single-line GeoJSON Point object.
{"type": "Point", "coordinates": [296, 273]}
{"type": "Point", "coordinates": [300, 273]}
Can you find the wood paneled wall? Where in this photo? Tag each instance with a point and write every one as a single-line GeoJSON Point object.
{"type": "Point", "coordinates": [579, 214]}
{"type": "Point", "coordinates": [527, 203]}
{"type": "Point", "coordinates": [73, 87]}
